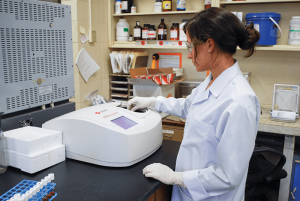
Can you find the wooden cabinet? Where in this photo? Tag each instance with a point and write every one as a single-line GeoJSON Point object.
{"type": "Point", "coordinates": [120, 88]}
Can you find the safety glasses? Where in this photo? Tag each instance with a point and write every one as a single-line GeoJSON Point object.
{"type": "Point", "coordinates": [189, 47]}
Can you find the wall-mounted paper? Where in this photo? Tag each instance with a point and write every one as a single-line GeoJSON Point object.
{"type": "Point", "coordinates": [86, 65]}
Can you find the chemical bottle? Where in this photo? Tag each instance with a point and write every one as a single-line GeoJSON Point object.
{"type": "Point", "coordinates": [207, 4]}
{"type": "Point", "coordinates": [122, 30]}
{"type": "Point", "coordinates": [167, 5]}
{"type": "Point", "coordinates": [181, 5]}
{"type": "Point", "coordinates": [158, 6]}
{"type": "Point", "coordinates": [126, 6]}
{"type": "Point", "coordinates": [152, 33]}
{"type": "Point", "coordinates": [162, 31]}
{"type": "Point", "coordinates": [294, 33]}
{"type": "Point", "coordinates": [133, 9]}
{"type": "Point", "coordinates": [182, 36]}
{"type": "Point", "coordinates": [174, 32]}
{"type": "Point", "coordinates": [137, 31]}
{"type": "Point", "coordinates": [130, 38]}
{"type": "Point", "coordinates": [118, 7]}
{"type": "Point", "coordinates": [145, 32]}
{"type": "Point", "coordinates": [3, 159]}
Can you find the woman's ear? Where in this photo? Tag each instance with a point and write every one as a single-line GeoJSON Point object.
{"type": "Point", "coordinates": [210, 45]}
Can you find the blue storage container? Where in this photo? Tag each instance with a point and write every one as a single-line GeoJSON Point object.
{"type": "Point", "coordinates": [267, 24]}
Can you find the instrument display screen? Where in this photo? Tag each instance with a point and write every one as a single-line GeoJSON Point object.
{"type": "Point", "coordinates": [124, 122]}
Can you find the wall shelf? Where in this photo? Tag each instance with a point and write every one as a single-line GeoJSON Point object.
{"type": "Point", "coordinates": [270, 48]}
{"type": "Point", "coordinates": [257, 1]}
{"type": "Point", "coordinates": [153, 13]}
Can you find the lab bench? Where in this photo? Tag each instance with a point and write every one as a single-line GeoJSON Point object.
{"type": "Point", "coordinates": [287, 130]}
{"type": "Point", "coordinates": [77, 180]}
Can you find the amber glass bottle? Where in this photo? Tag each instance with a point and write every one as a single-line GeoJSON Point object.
{"type": "Point", "coordinates": [137, 31]}
{"type": "Point", "coordinates": [162, 31]}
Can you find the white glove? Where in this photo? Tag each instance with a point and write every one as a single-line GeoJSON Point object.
{"type": "Point", "coordinates": [164, 174]}
{"type": "Point", "coordinates": [141, 102]}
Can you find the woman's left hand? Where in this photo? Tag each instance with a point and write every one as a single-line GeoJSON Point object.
{"type": "Point", "coordinates": [164, 174]}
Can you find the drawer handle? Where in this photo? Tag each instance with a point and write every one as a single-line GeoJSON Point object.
{"type": "Point", "coordinates": [169, 136]}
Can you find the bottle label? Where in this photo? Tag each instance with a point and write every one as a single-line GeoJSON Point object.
{"type": "Point", "coordinates": [133, 9]}
{"type": "Point", "coordinates": [124, 5]}
{"type": "Point", "coordinates": [181, 4]}
{"type": "Point", "coordinates": [137, 32]}
{"type": "Point", "coordinates": [160, 32]}
{"type": "Point", "coordinates": [294, 32]}
{"type": "Point", "coordinates": [145, 34]}
{"type": "Point", "coordinates": [151, 34]}
{"type": "Point", "coordinates": [157, 7]}
{"type": "Point", "coordinates": [167, 5]}
{"type": "Point", "coordinates": [165, 32]}
{"type": "Point", "coordinates": [122, 31]}
{"type": "Point", "coordinates": [174, 34]}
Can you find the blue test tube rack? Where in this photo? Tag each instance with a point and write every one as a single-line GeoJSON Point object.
{"type": "Point", "coordinates": [26, 185]}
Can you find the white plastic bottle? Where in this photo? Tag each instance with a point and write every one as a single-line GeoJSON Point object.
{"type": "Point", "coordinates": [122, 30]}
{"type": "Point", "coordinates": [158, 6]}
{"type": "Point", "coordinates": [182, 36]}
{"type": "Point", "coordinates": [118, 7]}
{"type": "Point", "coordinates": [294, 34]}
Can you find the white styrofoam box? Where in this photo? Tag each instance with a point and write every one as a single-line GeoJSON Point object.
{"type": "Point", "coordinates": [32, 140]}
{"type": "Point", "coordinates": [37, 162]}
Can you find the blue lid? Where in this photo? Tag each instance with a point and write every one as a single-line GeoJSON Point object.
{"type": "Point", "coordinates": [263, 15]}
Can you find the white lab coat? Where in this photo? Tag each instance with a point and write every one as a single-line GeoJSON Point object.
{"type": "Point", "coordinates": [219, 137]}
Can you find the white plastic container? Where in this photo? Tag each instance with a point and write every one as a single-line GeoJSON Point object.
{"type": "Point", "coordinates": [32, 149]}
{"type": "Point", "coordinates": [31, 140]}
{"type": "Point", "coordinates": [182, 36]}
{"type": "Point", "coordinates": [118, 7]}
{"type": "Point", "coordinates": [158, 6]}
{"type": "Point", "coordinates": [122, 30]}
{"type": "Point", "coordinates": [294, 34]}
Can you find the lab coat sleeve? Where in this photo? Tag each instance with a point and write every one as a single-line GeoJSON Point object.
{"type": "Point", "coordinates": [178, 107]}
{"type": "Point", "coordinates": [236, 131]}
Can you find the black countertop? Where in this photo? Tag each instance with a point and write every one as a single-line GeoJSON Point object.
{"type": "Point", "coordinates": [77, 180]}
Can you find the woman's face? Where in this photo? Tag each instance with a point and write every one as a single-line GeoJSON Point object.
{"type": "Point", "coordinates": [202, 61]}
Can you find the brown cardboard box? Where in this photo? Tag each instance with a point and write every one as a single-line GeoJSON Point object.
{"type": "Point", "coordinates": [149, 88]}
{"type": "Point", "coordinates": [174, 133]}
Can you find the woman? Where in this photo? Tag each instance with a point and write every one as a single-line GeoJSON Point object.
{"type": "Point", "coordinates": [222, 114]}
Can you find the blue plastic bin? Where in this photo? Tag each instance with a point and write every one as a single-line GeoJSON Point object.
{"type": "Point", "coordinates": [264, 23]}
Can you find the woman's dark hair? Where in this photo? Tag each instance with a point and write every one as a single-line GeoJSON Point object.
{"type": "Point", "coordinates": [224, 28]}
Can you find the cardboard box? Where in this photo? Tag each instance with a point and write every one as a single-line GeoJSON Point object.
{"type": "Point", "coordinates": [149, 88]}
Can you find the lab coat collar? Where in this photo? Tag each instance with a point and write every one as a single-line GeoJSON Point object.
{"type": "Point", "coordinates": [222, 80]}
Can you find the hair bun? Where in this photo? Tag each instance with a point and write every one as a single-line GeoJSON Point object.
{"type": "Point", "coordinates": [248, 40]}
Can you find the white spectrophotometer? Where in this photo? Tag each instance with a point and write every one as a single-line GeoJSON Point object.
{"type": "Point", "coordinates": [109, 135]}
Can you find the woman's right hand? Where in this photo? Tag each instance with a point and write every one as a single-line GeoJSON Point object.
{"type": "Point", "coordinates": [141, 102]}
